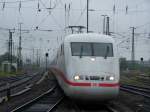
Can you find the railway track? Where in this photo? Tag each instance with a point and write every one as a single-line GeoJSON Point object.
{"type": "Point", "coordinates": [146, 106]}
{"type": "Point", "coordinates": [105, 108]}
{"type": "Point", "coordinates": [111, 109]}
{"type": "Point", "coordinates": [46, 102]}
{"type": "Point", "coordinates": [17, 85]}
{"type": "Point", "coordinates": [52, 100]}
{"type": "Point", "coordinates": [14, 79]}
{"type": "Point", "coordinates": [144, 79]}
{"type": "Point", "coordinates": [136, 90]}
{"type": "Point", "coordinates": [97, 107]}
{"type": "Point", "coordinates": [11, 80]}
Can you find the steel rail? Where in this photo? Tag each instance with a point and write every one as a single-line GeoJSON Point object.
{"type": "Point", "coordinates": [111, 109]}
{"type": "Point", "coordinates": [36, 100]}
{"type": "Point", "coordinates": [142, 89]}
{"type": "Point", "coordinates": [102, 107]}
{"type": "Point", "coordinates": [53, 107]}
{"type": "Point", "coordinates": [135, 90]}
{"type": "Point", "coordinates": [20, 82]}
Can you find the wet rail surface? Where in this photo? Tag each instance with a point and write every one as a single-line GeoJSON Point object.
{"type": "Point", "coordinates": [53, 101]}
{"type": "Point", "coordinates": [142, 91]}
{"type": "Point", "coordinates": [144, 79]}
{"type": "Point", "coordinates": [136, 90]}
{"type": "Point", "coordinates": [13, 79]}
{"type": "Point", "coordinates": [17, 85]}
{"type": "Point", "coordinates": [94, 108]}
{"type": "Point", "coordinates": [43, 103]}
{"type": "Point", "coordinates": [146, 106]}
{"type": "Point", "coordinates": [67, 105]}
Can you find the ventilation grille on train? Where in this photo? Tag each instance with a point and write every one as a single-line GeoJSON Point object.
{"type": "Point", "coordinates": [101, 78]}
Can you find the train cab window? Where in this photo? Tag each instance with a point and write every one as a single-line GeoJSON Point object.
{"type": "Point", "coordinates": [103, 49]}
{"type": "Point", "coordinates": [81, 49]}
{"type": "Point", "coordinates": [91, 49]}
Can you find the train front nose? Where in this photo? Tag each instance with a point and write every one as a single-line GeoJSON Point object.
{"type": "Point", "coordinates": [95, 85]}
{"type": "Point", "coordinates": [92, 79]}
{"type": "Point", "coordinates": [95, 91]}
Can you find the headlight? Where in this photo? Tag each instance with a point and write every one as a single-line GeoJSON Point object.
{"type": "Point", "coordinates": [76, 77]}
{"type": "Point", "coordinates": [92, 59]}
{"type": "Point", "coordinates": [110, 78]}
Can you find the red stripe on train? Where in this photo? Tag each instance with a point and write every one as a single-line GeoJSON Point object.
{"type": "Point", "coordinates": [84, 83]}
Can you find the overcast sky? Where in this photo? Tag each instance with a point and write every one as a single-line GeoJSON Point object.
{"type": "Point", "coordinates": [137, 15]}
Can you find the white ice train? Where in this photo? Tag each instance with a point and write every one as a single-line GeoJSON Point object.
{"type": "Point", "coordinates": [87, 67]}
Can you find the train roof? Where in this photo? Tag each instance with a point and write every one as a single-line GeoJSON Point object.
{"type": "Point", "coordinates": [89, 37]}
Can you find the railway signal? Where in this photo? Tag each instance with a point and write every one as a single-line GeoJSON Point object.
{"type": "Point", "coordinates": [142, 59]}
{"type": "Point", "coordinates": [46, 55]}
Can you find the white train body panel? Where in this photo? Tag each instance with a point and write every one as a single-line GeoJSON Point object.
{"type": "Point", "coordinates": [94, 71]}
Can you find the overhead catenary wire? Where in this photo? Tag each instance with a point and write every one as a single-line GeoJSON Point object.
{"type": "Point", "coordinates": [130, 11]}
{"type": "Point", "coordinates": [148, 23]}
{"type": "Point", "coordinates": [43, 20]}
{"type": "Point", "coordinates": [54, 19]}
{"type": "Point", "coordinates": [48, 7]}
{"type": "Point", "coordinates": [32, 30]}
{"type": "Point", "coordinates": [80, 15]}
{"type": "Point", "coordinates": [3, 40]}
{"type": "Point", "coordinates": [17, 1]}
{"type": "Point", "coordinates": [61, 3]}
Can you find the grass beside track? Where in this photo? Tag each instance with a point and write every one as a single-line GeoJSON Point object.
{"type": "Point", "coordinates": [7, 74]}
{"type": "Point", "coordinates": [132, 78]}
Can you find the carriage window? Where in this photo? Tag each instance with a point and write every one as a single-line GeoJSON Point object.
{"type": "Point", "coordinates": [92, 49]}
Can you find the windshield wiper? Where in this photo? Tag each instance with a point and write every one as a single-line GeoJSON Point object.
{"type": "Point", "coordinates": [92, 48]}
{"type": "Point", "coordinates": [81, 51]}
{"type": "Point", "coordinates": [107, 51]}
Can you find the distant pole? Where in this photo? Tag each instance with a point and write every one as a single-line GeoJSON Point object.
{"type": "Point", "coordinates": [13, 47]}
{"type": "Point", "coordinates": [33, 56]}
{"type": "Point", "coordinates": [39, 57]}
{"type": "Point", "coordinates": [65, 18]}
{"type": "Point", "coordinates": [37, 61]}
{"type": "Point", "coordinates": [20, 48]}
{"type": "Point", "coordinates": [10, 37]}
{"type": "Point", "coordinates": [87, 16]}
{"type": "Point", "coordinates": [10, 46]}
{"type": "Point", "coordinates": [104, 23]}
{"type": "Point", "coordinates": [107, 27]}
{"type": "Point", "coordinates": [133, 46]}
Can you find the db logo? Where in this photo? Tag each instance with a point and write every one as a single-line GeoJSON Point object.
{"type": "Point", "coordinates": [94, 84]}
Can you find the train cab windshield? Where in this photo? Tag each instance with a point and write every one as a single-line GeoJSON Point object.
{"type": "Point", "coordinates": [92, 49]}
